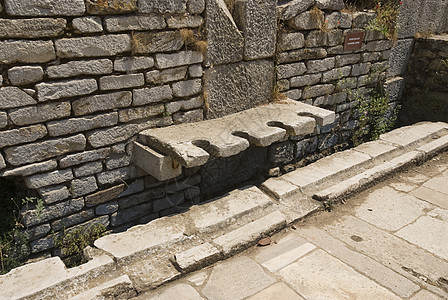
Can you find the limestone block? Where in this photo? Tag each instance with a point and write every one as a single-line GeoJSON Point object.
{"type": "Point", "coordinates": [105, 45]}
{"type": "Point", "coordinates": [236, 87]}
{"type": "Point", "coordinates": [294, 8]}
{"type": "Point", "coordinates": [315, 66]}
{"type": "Point", "coordinates": [81, 67]}
{"type": "Point", "coordinates": [73, 125]}
{"type": "Point", "coordinates": [339, 20]}
{"type": "Point", "coordinates": [102, 102]}
{"type": "Point", "coordinates": [196, 257]}
{"type": "Point", "coordinates": [22, 135]}
{"type": "Point", "coordinates": [362, 19]}
{"type": "Point", "coordinates": [88, 169]}
{"type": "Point", "coordinates": [290, 70]}
{"type": "Point", "coordinates": [195, 71]}
{"type": "Point", "coordinates": [35, 152]}
{"type": "Point", "coordinates": [165, 61]}
{"type": "Point", "coordinates": [40, 113]}
{"type": "Point", "coordinates": [133, 63]}
{"type": "Point", "coordinates": [83, 186]}
{"type": "Point", "coordinates": [157, 165]}
{"type": "Point", "coordinates": [54, 194]}
{"type": "Point", "coordinates": [317, 90]}
{"type": "Point", "coordinates": [2, 162]}
{"type": "Point", "coordinates": [306, 21]}
{"type": "Point", "coordinates": [335, 37]}
{"type": "Point", "coordinates": [301, 54]}
{"type": "Point", "coordinates": [165, 76]}
{"type": "Point", "coordinates": [3, 119]}
{"type": "Point", "coordinates": [109, 7]}
{"type": "Point", "coordinates": [37, 232]}
{"type": "Point", "coordinates": [11, 97]}
{"type": "Point", "coordinates": [250, 233]}
{"type": "Point", "coordinates": [379, 45]}
{"type": "Point", "coordinates": [316, 38]}
{"type": "Point", "coordinates": [196, 6]}
{"type": "Point", "coordinates": [129, 214]}
{"type": "Point", "coordinates": [295, 94]}
{"type": "Point", "coordinates": [79, 158]}
{"type": "Point", "coordinates": [291, 41]}
{"type": "Point", "coordinates": [26, 51]}
{"type": "Point", "coordinates": [152, 42]}
{"type": "Point", "coordinates": [25, 75]}
{"type": "Point", "coordinates": [336, 74]}
{"type": "Point", "coordinates": [189, 116]}
{"type": "Point", "coordinates": [76, 218]}
{"type": "Point", "coordinates": [106, 208]}
{"type": "Point", "coordinates": [113, 135]}
{"type": "Point", "coordinates": [187, 88]}
{"type": "Point", "coordinates": [330, 4]}
{"type": "Point", "coordinates": [126, 23]}
{"type": "Point", "coordinates": [258, 22]}
{"type": "Point", "coordinates": [152, 95]}
{"type": "Point", "coordinates": [133, 188]}
{"type": "Point", "coordinates": [104, 195]}
{"type": "Point", "coordinates": [192, 103]}
{"type": "Point", "coordinates": [45, 7]}
{"type": "Point", "coordinates": [394, 88]}
{"type": "Point", "coordinates": [116, 82]}
{"type": "Point", "coordinates": [162, 6]}
{"type": "Point", "coordinates": [304, 80]}
{"type": "Point", "coordinates": [41, 180]}
{"type": "Point", "coordinates": [54, 211]}
{"type": "Point", "coordinates": [360, 69]}
{"type": "Point", "coordinates": [330, 99]}
{"type": "Point", "coordinates": [65, 89]}
{"type": "Point", "coordinates": [148, 195]}
{"type": "Point", "coordinates": [116, 176]}
{"type": "Point", "coordinates": [31, 169]}
{"type": "Point", "coordinates": [343, 60]}
{"type": "Point", "coordinates": [141, 112]}
{"type": "Point", "coordinates": [87, 25]}
{"type": "Point", "coordinates": [177, 22]}
{"type": "Point", "coordinates": [399, 57]}
{"type": "Point", "coordinates": [225, 43]}
{"type": "Point", "coordinates": [32, 28]}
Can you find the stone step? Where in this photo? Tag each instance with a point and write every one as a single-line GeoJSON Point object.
{"type": "Point", "coordinates": [192, 144]}
{"type": "Point", "coordinates": [118, 288]}
{"type": "Point", "coordinates": [427, 137]}
{"type": "Point", "coordinates": [49, 278]}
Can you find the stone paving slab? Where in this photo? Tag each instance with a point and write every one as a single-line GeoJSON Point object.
{"type": "Point", "coordinates": [283, 253]}
{"type": "Point", "coordinates": [391, 210]}
{"type": "Point", "coordinates": [122, 283]}
{"type": "Point", "coordinates": [428, 233]}
{"type": "Point", "coordinates": [276, 291]}
{"type": "Point", "coordinates": [431, 196]}
{"type": "Point", "coordinates": [236, 279]}
{"type": "Point", "coordinates": [386, 251]}
{"type": "Point", "coordinates": [314, 277]}
{"type": "Point", "coordinates": [384, 276]}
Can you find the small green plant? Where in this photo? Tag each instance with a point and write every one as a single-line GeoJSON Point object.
{"type": "Point", "coordinates": [39, 206]}
{"type": "Point", "coordinates": [73, 242]}
{"type": "Point", "coordinates": [386, 18]}
{"type": "Point", "coordinates": [375, 117]}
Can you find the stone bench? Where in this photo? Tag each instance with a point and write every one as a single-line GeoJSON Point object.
{"type": "Point", "coordinates": [162, 152]}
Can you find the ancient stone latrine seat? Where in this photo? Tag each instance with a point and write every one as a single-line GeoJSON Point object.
{"type": "Point", "coordinates": [162, 152]}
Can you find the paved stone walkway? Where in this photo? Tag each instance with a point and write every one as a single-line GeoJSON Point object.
{"type": "Point", "coordinates": [388, 242]}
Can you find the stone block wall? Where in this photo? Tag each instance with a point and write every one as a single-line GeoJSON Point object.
{"type": "Point", "coordinates": [426, 93]}
{"type": "Point", "coordinates": [313, 67]}
{"type": "Point", "coordinates": [78, 80]}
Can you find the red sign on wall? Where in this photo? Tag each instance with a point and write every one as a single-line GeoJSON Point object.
{"type": "Point", "coordinates": [353, 41]}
